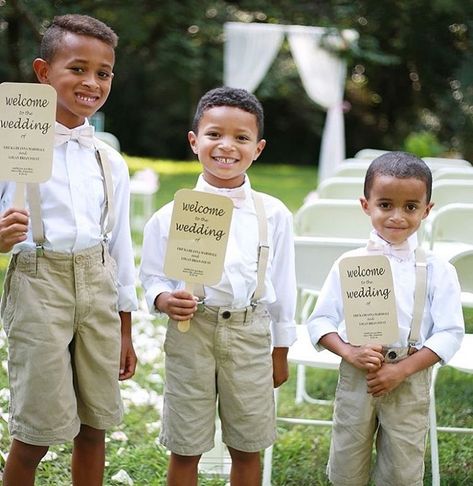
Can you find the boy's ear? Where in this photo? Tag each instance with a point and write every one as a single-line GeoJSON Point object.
{"type": "Point", "coordinates": [364, 205]}
{"type": "Point", "coordinates": [428, 209]}
{"type": "Point", "coordinates": [41, 69]}
{"type": "Point", "coordinates": [259, 148]}
{"type": "Point", "coordinates": [192, 137]}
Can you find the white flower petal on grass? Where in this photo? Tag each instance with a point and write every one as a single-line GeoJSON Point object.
{"type": "Point", "coordinates": [119, 435]}
{"type": "Point", "coordinates": [49, 456]}
{"type": "Point", "coordinates": [122, 477]}
{"type": "Point", "coordinates": [153, 427]}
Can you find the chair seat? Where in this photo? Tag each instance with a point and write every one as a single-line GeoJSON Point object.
{"type": "Point", "coordinates": [303, 352]}
{"type": "Point", "coordinates": [462, 360]}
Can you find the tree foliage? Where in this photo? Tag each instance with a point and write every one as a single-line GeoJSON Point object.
{"type": "Point", "coordinates": [412, 70]}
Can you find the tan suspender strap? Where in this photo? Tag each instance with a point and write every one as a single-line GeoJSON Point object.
{"type": "Point", "coordinates": [419, 296]}
{"type": "Point", "coordinates": [263, 252]}
{"type": "Point", "coordinates": [34, 202]}
{"type": "Point", "coordinates": [263, 249]}
{"type": "Point", "coordinates": [109, 213]}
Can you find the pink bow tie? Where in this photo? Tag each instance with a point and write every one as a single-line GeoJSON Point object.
{"type": "Point", "coordinates": [401, 251]}
{"type": "Point", "coordinates": [237, 195]}
{"type": "Point", "coordinates": [83, 135]}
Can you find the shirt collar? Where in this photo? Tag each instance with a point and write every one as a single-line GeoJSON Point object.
{"type": "Point", "coordinates": [402, 251]}
{"type": "Point", "coordinates": [240, 195]}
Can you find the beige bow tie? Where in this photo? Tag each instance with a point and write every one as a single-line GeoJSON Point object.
{"type": "Point", "coordinates": [237, 195]}
{"type": "Point", "coordinates": [401, 251]}
{"type": "Point", "coordinates": [83, 135]}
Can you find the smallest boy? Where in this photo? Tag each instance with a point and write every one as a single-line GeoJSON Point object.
{"type": "Point", "coordinates": [226, 355]}
{"type": "Point", "coordinates": [384, 390]}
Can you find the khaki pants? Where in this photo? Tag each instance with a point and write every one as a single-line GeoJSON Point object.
{"type": "Point", "coordinates": [225, 356]}
{"type": "Point", "coordinates": [60, 316]}
{"type": "Point", "coordinates": [398, 420]}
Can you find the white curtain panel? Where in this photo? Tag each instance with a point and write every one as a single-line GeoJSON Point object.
{"type": "Point", "coordinates": [323, 76]}
{"type": "Point", "coordinates": [250, 50]}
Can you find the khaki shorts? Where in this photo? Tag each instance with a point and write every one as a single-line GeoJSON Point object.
{"type": "Point", "coordinates": [60, 315]}
{"type": "Point", "coordinates": [399, 420]}
{"type": "Point", "coordinates": [225, 354]}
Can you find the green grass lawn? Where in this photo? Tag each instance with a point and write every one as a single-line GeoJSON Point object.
{"type": "Point", "coordinates": [301, 452]}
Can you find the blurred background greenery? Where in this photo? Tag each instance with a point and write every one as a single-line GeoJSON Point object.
{"type": "Point", "coordinates": [409, 82]}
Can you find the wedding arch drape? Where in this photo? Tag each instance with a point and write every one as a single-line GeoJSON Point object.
{"type": "Point", "coordinates": [250, 49]}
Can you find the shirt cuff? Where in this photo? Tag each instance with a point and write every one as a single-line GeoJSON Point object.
{"type": "Point", "coordinates": [317, 329]}
{"type": "Point", "coordinates": [127, 299]}
{"type": "Point", "coordinates": [283, 334]}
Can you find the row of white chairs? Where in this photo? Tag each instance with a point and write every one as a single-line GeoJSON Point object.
{"type": "Point", "coordinates": [444, 191]}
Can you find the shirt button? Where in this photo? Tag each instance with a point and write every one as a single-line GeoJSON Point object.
{"type": "Point", "coordinates": [226, 314]}
{"type": "Point", "coordinates": [392, 355]}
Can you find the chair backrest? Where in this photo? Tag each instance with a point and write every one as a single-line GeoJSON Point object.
{"type": "Point", "coordinates": [341, 188]}
{"type": "Point", "coordinates": [448, 191]}
{"type": "Point", "coordinates": [368, 153]}
{"type": "Point", "coordinates": [453, 223]}
{"type": "Point", "coordinates": [463, 262]}
{"type": "Point", "coordinates": [439, 162]}
{"type": "Point", "coordinates": [352, 168]}
{"type": "Point", "coordinates": [332, 218]}
{"type": "Point", "coordinates": [463, 173]}
{"type": "Point", "coordinates": [315, 257]}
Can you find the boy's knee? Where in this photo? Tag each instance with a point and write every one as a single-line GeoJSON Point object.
{"type": "Point", "coordinates": [27, 454]}
{"type": "Point", "coordinates": [90, 435]}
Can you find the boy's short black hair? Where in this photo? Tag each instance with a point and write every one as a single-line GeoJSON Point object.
{"type": "Point", "coordinates": [77, 24]}
{"type": "Point", "coordinates": [402, 165]}
{"type": "Point", "coordinates": [226, 96]}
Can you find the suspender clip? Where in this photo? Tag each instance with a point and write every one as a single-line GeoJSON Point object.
{"type": "Point", "coordinates": [39, 250]}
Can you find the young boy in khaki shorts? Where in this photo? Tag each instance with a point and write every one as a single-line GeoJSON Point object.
{"type": "Point", "coordinates": [383, 391]}
{"type": "Point", "coordinates": [226, 355]}
{"type": "Point", "coordinates": [70, 289]}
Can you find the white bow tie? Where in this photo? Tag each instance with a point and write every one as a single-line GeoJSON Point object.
{"type": "Point", "coordinates": [83, 135]}
{"type": "Point", "coordinates": [237, 195]}
{"type": "Point", "coordinates": [401, 251]}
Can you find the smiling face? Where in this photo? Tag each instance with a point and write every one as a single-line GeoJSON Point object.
{"type": "Point", "coordinates": [396, 206]}
{"type": "Point", "coordinates": [226, 143]}
{"type": "Point", "coordinates": [81, 73]}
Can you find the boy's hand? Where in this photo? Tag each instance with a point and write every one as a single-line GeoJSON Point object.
{"type": "Point", "coordinates": [366, 357]}
{"type": "Point", "coordinates": [280, 366]}
{"type": "Point", "coordinates": [128, 358]}
{"type": "Point", "coordinates": [179, 305]}
{"type": "Point", "coordinates": [13, 228]}
{"type": "Point", "coordinates": [384, 380]}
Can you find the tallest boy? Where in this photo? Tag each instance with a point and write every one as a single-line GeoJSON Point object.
{"type": "Point", "coordinates": [69, 290]}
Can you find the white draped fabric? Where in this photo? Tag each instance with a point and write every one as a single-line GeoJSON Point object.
{"type": "Point", "coordinates": [249, 52]}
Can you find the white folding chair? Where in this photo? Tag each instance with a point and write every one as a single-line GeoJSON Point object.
{"type": "Point", "coordinates": [440, 162]}
{"type": "Point", "coordinates": [463, 173]}
{"type": "Point", "coordinates": [449, 191]}
{"type": "Point", "coordinates": [461, 361]}
{"type": "Point", "coordinates": [143, 186]}
{"type": "Point", "coordinates": [450, 229]}
{"type": "Point", "coordinates": [341, 188]}
{"type": "Point", "coordinates": [352, 168]}
{"type": "Point", "coordinates": [369, 153]}
{"type": "Point", "coordinates": [463, 263]}
{"type": "Point", "coordinates": [332, 218]}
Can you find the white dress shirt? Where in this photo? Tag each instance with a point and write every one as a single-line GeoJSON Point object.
{"type": "Point", "coordinates": [72, 202]}
{"type": "Point", "coordinates": [442, 327]}
{"type": "Point", "coordinates": [238, 281]}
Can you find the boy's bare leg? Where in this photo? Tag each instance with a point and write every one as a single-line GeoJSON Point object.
{"type": "Point", "coordinates": [182, 470]}
{"type": "Point", "coordinates": [246, 468]}
{"type": "Point", "coordinates": [88, 457]}
{"type": "Point", "coordinates": [21, 464]}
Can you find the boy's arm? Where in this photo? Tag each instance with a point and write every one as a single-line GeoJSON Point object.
{"type": "Point", "coordinates": [128, 358]}
{"type": "Point", "coordinates": [13, 228]}
{"type": "Point", "coordinates": [391, 375]}
{"type": "Point", "coordinates": [280, 366]}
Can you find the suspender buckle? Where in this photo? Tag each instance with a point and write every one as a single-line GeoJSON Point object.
{"type": "Point", "coordinates": [39, 250]}
{"type": "Point", "coordinates": [200, 305]}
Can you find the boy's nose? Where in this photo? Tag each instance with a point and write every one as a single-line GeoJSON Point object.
{"type": "Point", "coordinates": [90, 82]}
{"type": "Point", "coordinates": [226, 143]}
